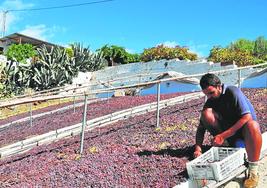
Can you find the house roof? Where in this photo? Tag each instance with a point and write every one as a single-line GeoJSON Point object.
{"type": "Point", "coordinates": [17, 38]}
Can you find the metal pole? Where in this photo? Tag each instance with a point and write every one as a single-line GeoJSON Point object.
{"type": "Point", "coordinates": [158, 98]}
{"type": "Point", "coordinates": [31, 114]}
{"type": "Point", "coordinates": [73, 104]}
{"type": "Point", "coordinates": [4, 23]}
{"type": "Point", "coordinates": [83, 123]}
{"type": "Point", "coordinates": [239, 78]}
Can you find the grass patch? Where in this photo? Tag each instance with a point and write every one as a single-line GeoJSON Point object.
{"type": "Point", "coordinates": [24, 108]}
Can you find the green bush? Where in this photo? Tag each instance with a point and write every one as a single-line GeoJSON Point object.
{"type": "Point", "coordinates": [70, 52]}
{"type": "Point", "coordinates": [243, 52]}
{"type": "Point", "coordinates": [163, 52]}
{"type": "Point", "coordinates": [20, 52]}
{"type": "Point", "coordinates": [241, 58]}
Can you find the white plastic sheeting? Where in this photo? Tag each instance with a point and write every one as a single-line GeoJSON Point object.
{"type": "Point", "coordinates": [143, 72]}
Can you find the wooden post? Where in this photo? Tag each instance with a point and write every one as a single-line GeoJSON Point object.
{"type": "Point", "coordinates": [239, 78]}
{"type": "Point", "coordinates": [158, 99]}
{"type": "Point", "coordinates": [83, 123]}
{"type": "Point", "coordinates": [73, 104]}
{"type": "Point", "coordinates": [31, 114]}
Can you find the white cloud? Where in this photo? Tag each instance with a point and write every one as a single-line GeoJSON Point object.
{"type": "Point", "coordinates": [15, 4]}
{"type": "Point", "coordinates": [42, 31]}
{"type": "Point", "coordinates": [130, 51]}
{"type": "Point", "coordinates": [199, 49]}
{"type": "Point", "coordinates": [170, 44]}
{"type": "Point", "coordinates": [36, 31]}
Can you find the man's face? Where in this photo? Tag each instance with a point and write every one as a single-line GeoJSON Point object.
{"type": "Point", "coordinates": [213, 92]}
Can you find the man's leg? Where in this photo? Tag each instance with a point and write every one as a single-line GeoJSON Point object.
{"type": "Point", "coordinates": [253, 142]}
{"type": "Point", "coordinates": [210, 119]}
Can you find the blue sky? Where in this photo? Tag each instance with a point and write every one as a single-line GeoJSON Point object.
{"type": "Point", "coordinates": [139, 24]}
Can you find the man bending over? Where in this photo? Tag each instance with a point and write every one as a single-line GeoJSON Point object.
{"type": "Point", "coordinates": [229, 115]}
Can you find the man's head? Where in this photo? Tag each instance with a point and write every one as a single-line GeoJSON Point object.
{"type": "Point", "coordinates": [211, 85]}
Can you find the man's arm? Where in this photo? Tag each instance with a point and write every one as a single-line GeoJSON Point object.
{"type": "Point", "coordinates": [243, 110]}
{"type": "Point", "coordinates": [219, 139]}
{"type": "Point", "coordinates": [199, 140]}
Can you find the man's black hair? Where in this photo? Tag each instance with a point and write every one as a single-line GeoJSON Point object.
{"type": "Point", "coordinates": [209, 80]}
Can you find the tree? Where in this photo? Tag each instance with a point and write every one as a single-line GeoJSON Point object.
{"type": "Point", "coordinates": [260, 49]}
{"type": "Point", "coordinates": [243, 45]}
{"type": "Point", "coordinates": [117, 55]}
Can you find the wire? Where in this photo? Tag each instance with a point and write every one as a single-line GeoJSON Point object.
{"type": "Point", "coordinates": [58, 7]}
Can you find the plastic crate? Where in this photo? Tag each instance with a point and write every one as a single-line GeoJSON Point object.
{"type": "Point", "coordinates": [216, 164]}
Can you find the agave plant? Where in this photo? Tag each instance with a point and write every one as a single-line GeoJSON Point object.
{"type": "Point", "coordinates": [84, 60]}
{"type": "Point", "coordinates": [23, 75]}
{"type": "Point", "coordinates": [52, 69]}
{"type": "Point", "coordinates": [8, 76]}
{"type": "Point", "coordinates": [97, 62]}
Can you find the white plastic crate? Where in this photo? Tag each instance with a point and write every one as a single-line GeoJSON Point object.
{"type": "Point", "coordinates": [216, 164]}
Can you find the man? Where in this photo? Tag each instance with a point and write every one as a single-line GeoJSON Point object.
{"type": "Point", "coordinates": [229, 115]}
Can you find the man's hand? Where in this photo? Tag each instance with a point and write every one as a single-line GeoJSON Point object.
{"type": "Point", "coordinates": [197, 153]}
{"type": "Point", "coordinates": [218, 140]}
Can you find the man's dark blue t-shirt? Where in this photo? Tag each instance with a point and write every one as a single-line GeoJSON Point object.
{"type": "Point", "coordinates": [231, 105]}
